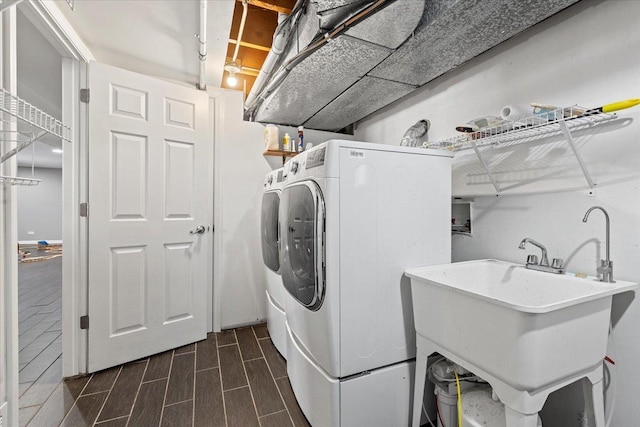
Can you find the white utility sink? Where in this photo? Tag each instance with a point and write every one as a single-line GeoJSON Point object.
{"type": "Point", "coordinates": [526, 332]}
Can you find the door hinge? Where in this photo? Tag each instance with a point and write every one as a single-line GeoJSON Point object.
{"type": "Point", "coordinates": [84, 322]}
{"type": "Point", "coordinates": [85, 95]}
{"type": "Point", "coordinates": [84, 210]}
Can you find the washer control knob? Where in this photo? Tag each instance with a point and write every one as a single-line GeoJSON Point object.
{"type": "Point", "coordinates": [294, 167]}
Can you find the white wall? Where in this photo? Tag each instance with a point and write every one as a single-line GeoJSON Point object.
{"type": "Point", "coordinates": [39, 69]}
{"type": "Point", "coordinates": [241, 168]}
{"type": "Point", "coordinates": [40, 206]}
{"type": "Point", "coordinates": [580, 56]}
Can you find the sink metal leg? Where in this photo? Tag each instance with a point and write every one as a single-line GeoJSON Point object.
{"type": "Point", "coordinates": [594, 402]}
{"type": "Point", "coordinates": [517, 419]}
{"type": "Point", "coordinates": [418, 387]}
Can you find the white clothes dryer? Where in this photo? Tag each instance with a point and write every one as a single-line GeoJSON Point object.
{"type": "Point", "coordinates": [270, 254]}
{"type": "Point", "coordinates": [353, 217]}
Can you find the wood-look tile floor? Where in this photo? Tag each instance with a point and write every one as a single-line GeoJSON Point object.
{"type": "Point", "coordinates": [40, 332]}
{"type": "Point", "coordinates": [233, 378]}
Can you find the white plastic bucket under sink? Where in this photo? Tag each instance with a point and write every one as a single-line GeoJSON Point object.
{"type": "Point", "coordinates": [478, 409]}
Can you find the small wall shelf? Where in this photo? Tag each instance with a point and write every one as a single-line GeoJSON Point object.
{"type": "Point", "coordinates": [280, 153]}
{"type": "Point", "coordinates": [21, 124]}
{"type": "Point", "coordinates": [562, 121]}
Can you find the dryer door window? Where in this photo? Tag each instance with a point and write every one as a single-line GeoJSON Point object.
{"type": "Point", "coordinates": [302, 218]}
{"type": "Point", "coordinates": [270, 205]}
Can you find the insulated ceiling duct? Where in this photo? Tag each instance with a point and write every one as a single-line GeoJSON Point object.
{"type": "Point", "coordinates": [359, 56]}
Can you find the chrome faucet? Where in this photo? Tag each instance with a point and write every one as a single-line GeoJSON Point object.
{"type": "Point", "coordinates": [532, 260]}
{"type": "Point", "coordinates": [605, 269]}
{"type": "Point", "coordinates": [544, 261]}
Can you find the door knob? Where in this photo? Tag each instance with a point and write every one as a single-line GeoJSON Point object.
{"type": "Point", "coordinates": [199, 230]}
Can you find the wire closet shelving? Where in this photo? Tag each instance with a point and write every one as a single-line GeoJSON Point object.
{"type": "Point", "coordinates": [21, 124]}
{"type": "Point", "coordinates": [560, 121]}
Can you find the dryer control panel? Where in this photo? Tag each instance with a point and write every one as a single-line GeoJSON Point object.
{"type": "Point", "coordinates": [315, 158]}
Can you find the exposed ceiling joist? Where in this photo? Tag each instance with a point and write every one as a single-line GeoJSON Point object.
{"type": "Point", "coordinates": [280, 6]}
{"type": "Point", "coordinates": [255, 42]}
{"type": "Point", "coordinates": [247, 71]}
{"type": "Point", "coordinates": [251, 45]}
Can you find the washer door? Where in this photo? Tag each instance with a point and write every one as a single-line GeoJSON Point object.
{"type": "Point", "coordinates": [302, 219]}
{"type": "Point", "coordinates": [269, 226]}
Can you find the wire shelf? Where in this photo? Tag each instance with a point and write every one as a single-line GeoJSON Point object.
{"type": "Point", "coordinates": [13, 107]}
{"type": "Point", "coordinates": [14, 180]}
{"type": "Point", "coordinates": [21, 124]}
{"type": "Point", "coordinates": [538, 126]}
{"type": "Point", "coordinates": [550, 123]}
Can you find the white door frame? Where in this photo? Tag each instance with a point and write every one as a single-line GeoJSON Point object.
{"type": "Point", "coordinates": [74, 228]}
{"type": "Point", "coordinates": [9, 230]}
{"type": "Point", "coordinates": [216, 113]}
{"type": "Point", "coordinates": [51, 22]}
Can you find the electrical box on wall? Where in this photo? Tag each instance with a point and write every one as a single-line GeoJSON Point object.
{"type": "Point", "coordinates": [461, 216]}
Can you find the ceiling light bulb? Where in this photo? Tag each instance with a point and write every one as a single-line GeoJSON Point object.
{"type": "Point", "coordinates": [232, 80]}
{"type": "Point", "coordinates": [232, 68]}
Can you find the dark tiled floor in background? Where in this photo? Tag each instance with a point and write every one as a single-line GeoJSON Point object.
{"type": "Point", "coordinates": [40, 329]}
{"type": "Point", "coordinates": [233, 378]}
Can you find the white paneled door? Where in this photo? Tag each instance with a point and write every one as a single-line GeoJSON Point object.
{"type": "Point", "coordinates": [149, 226]}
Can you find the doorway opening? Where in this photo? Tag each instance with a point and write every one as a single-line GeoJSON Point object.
{"type": "Point", "coordinates": [40, 210]}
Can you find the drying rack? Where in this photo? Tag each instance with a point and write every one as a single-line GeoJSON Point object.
{"type": "Point", "coordinates": [561, 121]}
{"type": "Point", "coordinates": [21, 124]}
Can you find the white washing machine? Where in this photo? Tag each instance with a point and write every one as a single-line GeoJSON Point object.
{"type": "Point", "coordinates": [270, 254]}
{"type": "Point", "coordinates": [353, 217]}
